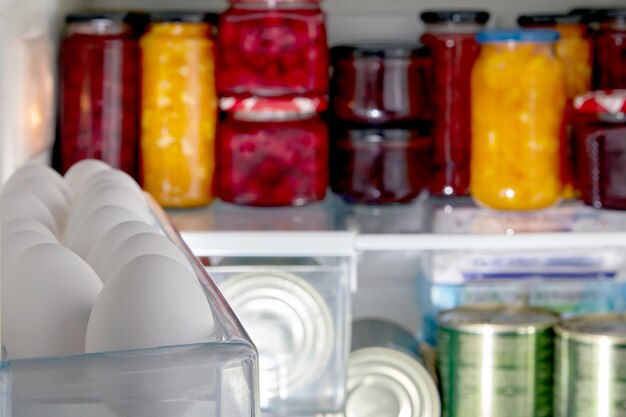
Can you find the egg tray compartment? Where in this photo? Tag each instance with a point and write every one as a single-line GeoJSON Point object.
{"type": "Point", "coordinates": [213, 379]}
{"type": "Point", "coordinates": [299, 317]}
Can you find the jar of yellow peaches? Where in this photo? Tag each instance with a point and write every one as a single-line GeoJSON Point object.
{"type": "Point", "coordinates": [518, 102]}
{"type": "Point", "coordinates": [178, 108]}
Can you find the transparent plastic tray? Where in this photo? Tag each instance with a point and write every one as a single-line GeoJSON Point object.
{"type": "Point", "coordinates": [214, 379]}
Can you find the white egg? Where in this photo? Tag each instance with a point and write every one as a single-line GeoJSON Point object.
{"type": "Point", "coordinates": [47, 297]}
{"type": "Point", "coordinates": [39, 172]}
{"type": "Point", "coordinates": [23, 225]}
{"type": "Point", "coordinates": [111, 176]}
{"type": "Point", "coordinates": [14, 244]}
{"type": "Point", "coordinates": [139, 245]}
{"type": "Point", "coordinates": [152, 301]}
{"type": "Point", "coordinates": [81, 171]}
{"type": "Point", "coordinates": [92, 228]}
{"type": "Point", "coordinates": [18, 205]}
{"type": "Point", "coordinates": [100, 252]}
{"type": "Point", "coordinates": [49, 194]}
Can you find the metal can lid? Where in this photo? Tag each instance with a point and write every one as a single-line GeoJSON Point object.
{"type": "Point", "coordinates": [94, 15]}
{"type": "Point", "coordinates": [602, 102]}
{"type": "Point", "coordinates": [290, 324]}
{"type": "Point", "coordinates": [550, 19]}
{"type": "Point", "coordinates": [455, 16]}
{"type": "Point", "coordinates": [597, 328]}
{"type": "Point", "coordinates": [184, 16]}
{"type": "Point", "coordinates": [273, 109]}
{"type": "Point", "coordinates": [378, 50]}
{"type": "Point", "coordinates": [498, 318]}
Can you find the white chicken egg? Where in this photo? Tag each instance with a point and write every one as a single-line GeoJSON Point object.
{"type": "Point", "coordinates": [92, 228]}
{"type": "Point", "coordinates": [48, 193]}
{"type": "Point", "coordinates": [138, 245]}
{"type": "Point", "coordinates": [100, 252]}
{"type": "Point", "coordinates": [47, 297]}
{"type": "Point", "coordinates": [23, 225]}
{"type": "Point", "coordinates": [18, 205]}
{"type": "Point", "coordinates": [81, 171]}
{"type": "Point", "coordinates": [111, 176]}
{"type": "Point", "coordinates": [14, 244]}
{"type": "Point", "coordinates": [39, 172]}
{"type": "Point", "coordinates": [152, 301]}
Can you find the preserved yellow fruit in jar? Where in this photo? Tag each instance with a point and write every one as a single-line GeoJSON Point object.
{"type": "Point", "coordinates": [575, 52]}
{"type": "Point", "coordinates": [518, 101]}
{"type": "Point", "coordinates": [179, 111]}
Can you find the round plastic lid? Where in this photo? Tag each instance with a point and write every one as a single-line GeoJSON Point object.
{"type": "Point", "coordinates": [183, 16]}
{"type": "Point", "coordinates": [517, 35]}
{"type": "Point", "coordinates": [550, 19]}
{"type": "Point", "coordinates": [455, 16]}
{"type": "Point", "coordinates": [382, 50]}
{"type": "Point", "coordinates": [602, 102]}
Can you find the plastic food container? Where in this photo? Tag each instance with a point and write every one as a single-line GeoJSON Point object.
{"type": "Point", "coordinates": [600, 134]}
{"type": "Point", "coordinates": [273, 49]}
{"type": "Point", "coordinates": [380, 83]}
{"type": "Point", "coordinates": [518, 103]}
{"type": "Point", "coordinates": [276, 163]}
{"type": "Point", "coordinates": [380, 166]}
{"type": "Point", "coordinates": [609, 46]}
{"type": "Point", "coordinates": [179, 109]}
{"type": "Point", "coordinates": [451, 35]}
{"type": "Point", "coordinates": [99, 91]}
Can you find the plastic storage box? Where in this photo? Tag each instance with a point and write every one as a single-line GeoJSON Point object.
{"type": "Point", "coordinates": [217, 379]}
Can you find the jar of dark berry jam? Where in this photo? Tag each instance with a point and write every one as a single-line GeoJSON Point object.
{"type": "Point", "coordinates": [380, 83]}
{"type": "Point", "coordinates": [99, 91]}
{"type": "Point", "coordinates": [380, 165]}
{"type": "Point", "coordinates": [451, 37]}
{"type": "Point", "coordinates": [609, 48]}
{"type": "Point", "coordinates": [600, 132]}
{"type": "Point", "coordinates": [272, 163]}
{"type": "Point", "coordinates": [274, 49]}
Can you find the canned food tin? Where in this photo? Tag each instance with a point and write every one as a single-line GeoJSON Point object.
{"type": "Point", "coordinates": [290, 324]}
{"type": "Point", "coordinates": [590, 367]}
{"type": "Point", "coordinates": [496, 360]}
{"type": "Point", "coordinates": [386, 376]}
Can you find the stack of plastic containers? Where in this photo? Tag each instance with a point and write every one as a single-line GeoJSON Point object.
{"type": "Point", "coordinates": [272, 82]}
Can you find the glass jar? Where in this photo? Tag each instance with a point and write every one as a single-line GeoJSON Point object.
{"type": "Point", "coordinates": [451, 35]}
{"type": "Point", "coordinates": [600, 132]}
{"type": "Point", "coordinates": [273, 49]}
{"type": "Point", "coordinates": [380, 83]}
{"type": "Point", "coordinates": [179, 109]}
{"type": "Point", "coordinates": [99, 91]}
{"type": "Point", "coordinates": [574, 50]}
{"type": "Point", "coordinates": [518, 102]}
{"type": "Point", "coordinates": [273, 163]}
{"type": "Point", "coordinates": [609, 47]}
{"type": "Point", "coordinates": [380, 166]}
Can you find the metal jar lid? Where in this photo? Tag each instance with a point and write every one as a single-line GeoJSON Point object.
{"type": "Point", "coordinates": [498, 318]}
{"type": "Point", "coordinates": [290, 324]}
{"type": "Point", "coordinates": [607, 329]}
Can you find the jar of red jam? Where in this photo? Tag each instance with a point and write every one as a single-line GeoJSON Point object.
{"type": "Point", "coordinates": [600, 133]}
{"type": "Point", "coordinates": [272, 163]}
{"type": "Point", "coordinates": [99, 91]}
{"type": "Point", "coordinates": [380, 83]}
{"type": "Point", "coordinates": [609, 47]}
{"type": "Point", "coordinates": [273, 48]}
{"type": "Point", "coordinates": [380, 165]}
{"type": "Point", "coordinates": [450, 35]}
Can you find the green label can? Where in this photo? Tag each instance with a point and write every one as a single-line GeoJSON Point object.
{"type": "Point", "coordinates": [496, 361]}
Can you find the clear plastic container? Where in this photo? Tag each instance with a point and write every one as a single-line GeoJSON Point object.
{"type": "Point", "coordinates": [380, 83]}
{"type": "Point", "coordinates": [609, 46]}
{"type": "Point", "coordinates": [518, 105]}
{"type": "Point", "coordinates": [218, 378]}
{"type": "Point", "coordinates": [380, 166]}
{"type": "Point", "coordinates": [273, 49]}
{"type": "Point", "coordinates": [600, 133]}
{"type": "Point", "coordinates": [179, 109]}
{"type": "Point", "coordinates": [297, 311]}
{"type": "Point", "coordinates": [99, 95]}
{"type": "Point", "coordinates": [273, 163]}
{"type": "Point", "coordinates": [451, 36]}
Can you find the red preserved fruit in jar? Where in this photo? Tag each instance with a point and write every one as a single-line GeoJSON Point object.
{"type": "Point", "coordinates": [276, 163]}
{"type": "Point", "coordinates": [380, 83]}
{"type": "Point", "coordinates": [609, 48]}
{"type": "Point", "coordinates": [380, 166]}
{"type": "Point", "coordinates": [450, 35]}
{"type": "Point", "coordinates": [600, 132]}
{"type": "Point", "coordinates": [99, 91]}
{"type": "Point", "coordinates": [273, 49]}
